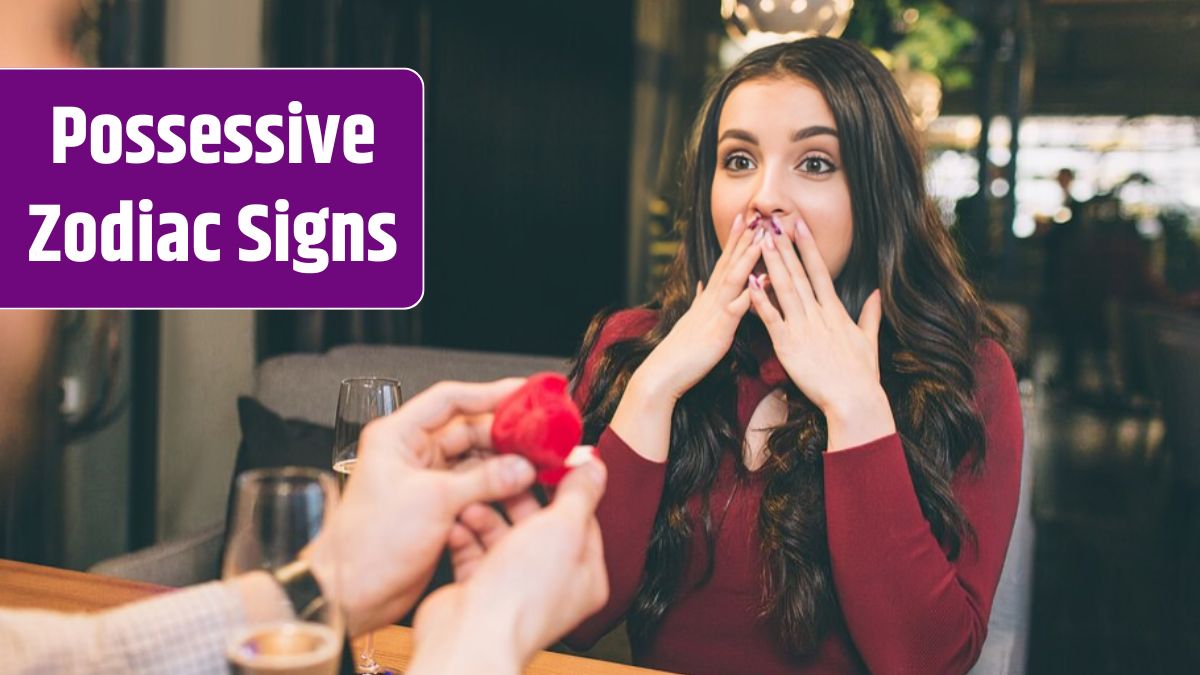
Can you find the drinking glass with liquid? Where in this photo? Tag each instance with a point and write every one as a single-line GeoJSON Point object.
{"type": "Point", "coordinates": [277, 513]}
{"type": "Point", "coordinates": [360, 400]}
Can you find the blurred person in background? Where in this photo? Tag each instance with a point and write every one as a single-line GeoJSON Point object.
{"type": "Point", "coordinates": [33, 34]}
{"type": "Point", "coordinates": [973, 233]}
{"type": "Point", "coordinates": [1102, 261]}
{"type": "Point", "coordinates": [537, 584]}
{"type": "Point", "coordinates": [26, 339]}
{"type": "Point", "coordinates": [38, 33]}
{"type": "Point", "coordinates": [1060, 240]}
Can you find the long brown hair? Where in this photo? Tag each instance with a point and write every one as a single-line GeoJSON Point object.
{"type": "Point", "coordinates": [933, 321]}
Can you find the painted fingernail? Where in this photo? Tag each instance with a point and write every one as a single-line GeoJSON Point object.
{"type": "Point", "coordinates": [755, 221]}
{"type": "Point", "coordinates": [763, 280]}
{"type": "Point", "coordinates": [758, 236]}
{"type": "Point", "coordinates": [753, 282]}
{"type": "Point", "coordinates": [580, 455]}
{"type": "Point", "coordinates": [596, 472]}
{"type": "Point", "coordinates": [802, 229]}
{"type": "Point", "coordinates": [775, 225]}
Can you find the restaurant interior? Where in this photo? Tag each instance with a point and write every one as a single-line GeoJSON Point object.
{"type": "Point", "coordinates": [1062, 141]}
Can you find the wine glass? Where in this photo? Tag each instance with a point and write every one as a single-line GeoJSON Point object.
{"type": "Point", "coordinates": [278, 513]}
{"type": "Point", "coordinates": [360, 400]}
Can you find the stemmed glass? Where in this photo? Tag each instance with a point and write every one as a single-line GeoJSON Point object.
{"type": "Point", "coordinates": [278, 513]}
{"type": "Point", "coordinates": [361, 400]}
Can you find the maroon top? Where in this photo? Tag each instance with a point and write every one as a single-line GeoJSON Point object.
{"type": "Point", "coordinates": [905, 607]}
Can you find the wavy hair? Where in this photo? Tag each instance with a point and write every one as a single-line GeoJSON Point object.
{"type": "Point", "coordinates": [933, 321]}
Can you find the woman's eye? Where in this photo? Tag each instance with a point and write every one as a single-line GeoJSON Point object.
{"type": "Point", "coordinates": [817, 165]}
{"type": "Point", "coordinates": [738, 162]}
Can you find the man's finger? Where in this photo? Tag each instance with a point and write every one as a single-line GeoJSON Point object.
{"type": "Point", "coordinates": [487, 524]}
{"type": "Point", "coordinates": [493, 479]}
{"type": "Point", "coordinates": [438, 404]}
{"type": "Point", "coordinates": [465, 551]}
{"type": "Point", "coordinates": [521, 507]}
{"type": "Point", "coordinates": [580, 491]}
{"type": "Point", "coordinates": [593, 559]}
{"type": "Point", "coordinates": [463, 433]}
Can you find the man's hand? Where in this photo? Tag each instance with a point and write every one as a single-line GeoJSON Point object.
{"type": "Point", "coordinates": [378, 553]}
{"type": "Point", "coordinates": [519, 587]}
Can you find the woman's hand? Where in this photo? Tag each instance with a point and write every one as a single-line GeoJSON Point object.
{"type": "Point", "coordinates": [831, 358]}
{"type": "Point", "coordinates": [700, 339]}
{"type": "Point", "coordinates": [517, 587]}
{"type": "Point", "coordinates": [704, 334]}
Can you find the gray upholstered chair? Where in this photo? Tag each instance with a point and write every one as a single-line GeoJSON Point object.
{"type": "Point", "coordinates": [304, 386]}
{"type": "Point", "coordinates": [1005, 652]}
{"type": "Point", "coordinates": [180, 562]}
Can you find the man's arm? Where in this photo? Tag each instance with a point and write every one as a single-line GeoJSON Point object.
{"type": "Point", "coordinates": [181, 632]}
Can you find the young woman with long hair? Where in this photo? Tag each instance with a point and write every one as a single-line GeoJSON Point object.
{"type": "Point", "coordinates": [813, 432]}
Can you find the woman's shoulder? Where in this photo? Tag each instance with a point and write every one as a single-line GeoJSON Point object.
{"type": "Point", "coordinates": [992, 363]}
{"type": "Point", "coordinates": [606, 330]}
{"type": "Point", "coordinates": [995, 379]}
{"type": "Point", "coordinates": [626, 323]}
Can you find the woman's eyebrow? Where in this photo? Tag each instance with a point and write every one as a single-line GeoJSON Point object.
{"type": "Point", "coordinates": [809, 132]}
{"type": "Point", "coordinates": [740, 134]}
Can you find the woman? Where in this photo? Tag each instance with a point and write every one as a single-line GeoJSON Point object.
{"type": "Point", "coordinates": [813, 433]}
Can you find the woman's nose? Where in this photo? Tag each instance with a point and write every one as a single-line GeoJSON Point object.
{"type": "Point", "coordinates": [770, 199]}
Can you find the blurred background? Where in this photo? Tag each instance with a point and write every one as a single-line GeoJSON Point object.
{"type": "Point", "coordinates": [1063, 145]}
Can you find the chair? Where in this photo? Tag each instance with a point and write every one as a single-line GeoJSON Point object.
{"type": "Point", "coordinates": [1005, 651]}
{"type": "Point", "coordinates": [180, 562]}
{"type": "Point", "coordinates": [304, 387]}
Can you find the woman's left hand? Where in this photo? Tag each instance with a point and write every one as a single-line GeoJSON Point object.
{"type": "Point", "coordinates": [831, 358]}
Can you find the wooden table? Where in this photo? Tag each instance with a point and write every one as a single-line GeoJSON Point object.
{"type": "Point", "coordinates": [35, 586]}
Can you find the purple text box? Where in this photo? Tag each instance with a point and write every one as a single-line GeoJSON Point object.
{"type": "Point", "coordinates": [390, 182]}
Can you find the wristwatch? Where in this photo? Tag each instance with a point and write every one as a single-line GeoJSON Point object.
{"type": "Point", "coordinates": [301, 587]}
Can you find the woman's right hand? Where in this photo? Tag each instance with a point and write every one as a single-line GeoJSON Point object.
{"type": "Point", "coordinates": [701, 338]}
{"type": "Point", "coordinates": [704, 334]}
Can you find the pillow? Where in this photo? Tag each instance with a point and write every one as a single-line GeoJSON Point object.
{"type": "Point", "coordinates": [269, 441]}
